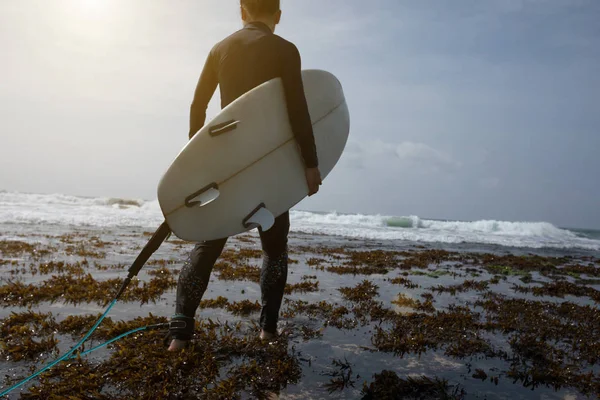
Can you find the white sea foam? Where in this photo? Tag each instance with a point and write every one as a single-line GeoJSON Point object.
{"type": "Point", "coordinates": [21, 208]}
{"type": "Point", "coordinates": [413, 228]}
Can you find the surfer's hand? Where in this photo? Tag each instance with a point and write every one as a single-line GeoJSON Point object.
{"type": "Point", "coordinates": [313, 179]}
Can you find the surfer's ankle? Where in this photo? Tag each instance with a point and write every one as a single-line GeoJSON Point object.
{"type": "Point", "coordinates": [177, 344]}
{"type": "Point", "coordinates": [264, 335]}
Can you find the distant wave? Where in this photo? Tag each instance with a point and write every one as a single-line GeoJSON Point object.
{"type": "Point", "coordinates": [124, 202]}
{"type": "Point", "coordinates": [26, 208]}
{"type": "Point", "coordinates": [23, 208]}
{"type": "Point", "coordinates": [413, 228]}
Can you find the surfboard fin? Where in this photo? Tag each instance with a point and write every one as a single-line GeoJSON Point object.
{"type": "Point", "coordinates": [259, 218]}
{"type": "Point", "coordinates": [204, 196]}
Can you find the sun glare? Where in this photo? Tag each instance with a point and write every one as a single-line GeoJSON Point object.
{"type": "Point", "coordinates": [95, 8]}
{"type": "Point", "coordinates": [90, 22]}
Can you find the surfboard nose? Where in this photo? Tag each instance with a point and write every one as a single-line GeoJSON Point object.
{"type": "Point", "coordinates": [325, 92]}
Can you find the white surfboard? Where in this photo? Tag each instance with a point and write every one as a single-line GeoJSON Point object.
{"type": "Point", "coordinates": [244, 168]}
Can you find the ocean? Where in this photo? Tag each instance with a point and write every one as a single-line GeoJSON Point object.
{"type": "Point", "coordinates": [480, 309]}
{"type": "Point", "coordinates": [60, 209]}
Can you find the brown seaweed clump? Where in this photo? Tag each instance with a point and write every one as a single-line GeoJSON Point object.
{"type": "Point", "coordinates": [309, 333]}
{"type": "Point", "coordinates": [356, 270]}
{"type": "Point", "coordinates": [326, 312]}
{"type": "Point", "coordinates": [389, 386]}
{"type": "Point", "coordinates": [239, 256]}
{"type": "Point", "coordinates": [82, 250]}
{"type": "Point", "coordinates": [243, 308]}
{"type": "Point", "coordinates": [160, 272]}
{"type": "Point", "coordinates": [342, 376]}
{"type": "Point", "coordinates": [79, 324]}
{"type": "Point", "coordinates": [315, 262]}
{"type": "Point", "coordinates": [561, 289]}
{"type": "Point", "coordinates": [466, 286]}
{"type": "Point", "coordinates": [82, 289]}
{"type": "Point", "coordinates": [375, 258]}
{"type": "Point", "coordinates": [302, 287]}
{"type": "Point", "coordinates": [221, 363]}
{"type": "Point", "coordinates": [366, 263]}
{"type": "Point", "coordinates": [228, 272]}
{"type": "Point", "coordinates": [60, 267]}
{"type": "Point", "coordinates": [16, 248]}
{"type": "Point", "coordinates": [219, 302]}
{"type": "Point", "coordinates": [551, 344]}
{"type": "Point", "coordinates": [161, 262]}
{"type": "Point", "coordinates": [27, 336]}
{"type": "Point", "coordinates": [364, 291]}
{"type": "Point", "coordinates": [456, 330]}
{"type": "Point", "coordinates": [407, 283]}
{"type": "Point", "coordinates": [404, 301]}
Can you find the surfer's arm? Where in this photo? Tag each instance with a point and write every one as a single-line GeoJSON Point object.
{"type": "Point", "coordinates": [297, 107]}
{"type": "Point", "coordinates": [207, 84]}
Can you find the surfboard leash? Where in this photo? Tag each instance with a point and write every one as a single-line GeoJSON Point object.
{"type": "Point", "coordinates": [153, 244]}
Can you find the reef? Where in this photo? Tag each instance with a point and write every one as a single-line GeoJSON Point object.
{"type": "Point", "coordinates": [543, 333]}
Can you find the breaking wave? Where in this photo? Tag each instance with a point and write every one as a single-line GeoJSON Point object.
{"type": "Point", "coordinates": [24, 208]}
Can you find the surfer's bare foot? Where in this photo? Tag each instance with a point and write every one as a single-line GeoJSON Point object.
{"type": "Point", "coordinates": [266, 335]}
{"type": "Point", "coordinates": [177, 345]}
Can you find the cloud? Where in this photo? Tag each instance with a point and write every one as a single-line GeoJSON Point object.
{"type": "Point", "coordinates": [424, 155]}
{"type": "Point", "coordinates": [421, 156]}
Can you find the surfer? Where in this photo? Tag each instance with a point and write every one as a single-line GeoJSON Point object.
{"type": "Point", "coordinates": [239, 63]}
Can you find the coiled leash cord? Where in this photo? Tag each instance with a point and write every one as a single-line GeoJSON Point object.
{"type": "Point", "coordinates": [153, 244]}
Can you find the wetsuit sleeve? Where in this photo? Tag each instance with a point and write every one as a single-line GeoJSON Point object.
{"type": "Point", "coordinates": [205, 89]}
{"type": "Point", "coordinates": [297, 107]}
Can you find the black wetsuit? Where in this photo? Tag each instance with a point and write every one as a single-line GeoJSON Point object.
{"type": "Point", "coordinates": [239, 63]}
{"type": "Point", "coordinates": [246, 59]}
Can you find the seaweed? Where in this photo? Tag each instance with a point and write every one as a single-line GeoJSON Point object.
{"type": "Point", "coordinates": [82, 250]}
{"type": "Point", "coordinates": [543, 343]}
{"type": "Point", "coordinates": [219, 302]}
{"type": "Point", "coordinates": [15, 248]}
{"type": "Point", "coordinates": [357, 270]}
{"type": "Point", "coordinates": [79, 324]}
{"type": "Point", "coordinates": [302, 287]}
{"type": "Point", "coordinates": [435, 274]}
{"type": "Point", "coordinates": [244, 307]}
{"type": "Point", "coordinates": [404, 301]}
{"type": "Point", "coordinates": [60, 267]}
{"type": "Point", "coordinates": [315, 261]}
{"type": "Point", "coordinates": [328, 313]}
{"type": "Point", "coordinates": [309, 333]}
{"type": "Point", "coordinates": [561, 289]}
{"type": "Point", "coordinates": [27, 336]}
{"type": "Point", "coordinates": [364, 291]}
{"type": "Point", "coordinates": [228, 272]}
{"type": "Point", "coordinates": [80, 289]}
{"type": "Point", "coordinates": [466, 286]}
{"type": "Point", "coordinates": [342, 376]}
{"type": "Point", "coordinates": [457, 330]}
{"type": "Point", "coordinates": [407, 283]}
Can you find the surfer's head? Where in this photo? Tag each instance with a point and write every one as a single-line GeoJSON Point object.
{"type": "Point", "coordinates": [266, 11]}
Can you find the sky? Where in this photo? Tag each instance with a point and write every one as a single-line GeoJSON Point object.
{"type": "Point", "coordinates": [462, 109]}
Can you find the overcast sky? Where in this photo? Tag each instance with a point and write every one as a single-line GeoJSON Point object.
{"type": "Point", "coordinates": [462, 109]}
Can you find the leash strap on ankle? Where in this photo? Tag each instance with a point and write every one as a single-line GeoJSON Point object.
{"type": "Point", "coordinates": [181, 327]}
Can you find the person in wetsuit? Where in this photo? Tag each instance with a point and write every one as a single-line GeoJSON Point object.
{"type": "Point", "coordinates": [239, 63]}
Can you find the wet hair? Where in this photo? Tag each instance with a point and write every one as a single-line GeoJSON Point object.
{"type": "Point", "coordinates": [258, 8]}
